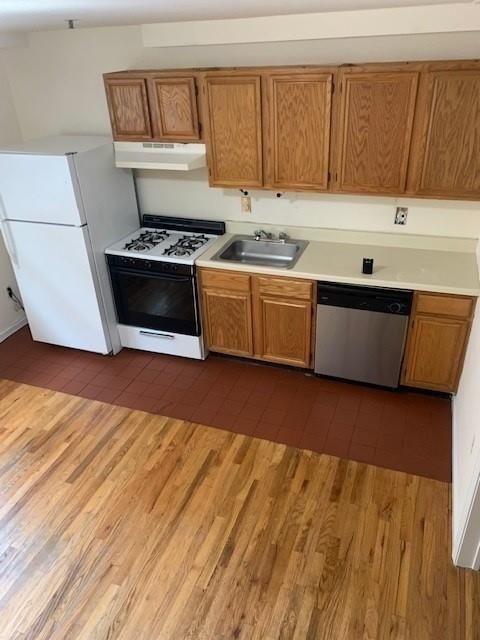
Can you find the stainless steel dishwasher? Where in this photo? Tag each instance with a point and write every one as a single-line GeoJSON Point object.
{"type": "Point", "coordinates": [361, 332]}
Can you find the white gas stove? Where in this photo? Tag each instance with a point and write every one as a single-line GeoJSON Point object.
{"type": "Point", "coordinates": [163, 244]}
{"type": "Point", "coordinates": [153, 279]}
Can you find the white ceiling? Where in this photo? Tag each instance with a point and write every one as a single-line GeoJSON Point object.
{"type": "Point", "coordinates": [36, 15]}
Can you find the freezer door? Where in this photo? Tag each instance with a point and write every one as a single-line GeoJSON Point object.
{"type": "Point", "coordinates": [58, 284]}
{"type": "Point", "coordinates": [36, 188]}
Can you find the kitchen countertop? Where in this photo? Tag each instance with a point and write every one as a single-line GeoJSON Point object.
{"type": "Point", "coordinates": [400, 267]}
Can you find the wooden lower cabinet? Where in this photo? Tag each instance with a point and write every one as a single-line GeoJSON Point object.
{"type": "Point", "coordinates": [437, 341]}
{"type": "Point", "coordinates": [271, 318]}
{"type": "Point", "coordinates": [284, 330]}
{"type": "Point", "coordinates": [228, 322]}
{"type": "Point", "coordinates": [258, 316]}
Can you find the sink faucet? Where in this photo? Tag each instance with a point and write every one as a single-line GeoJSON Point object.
{"type": "Point", "coordinates": [260, 234]}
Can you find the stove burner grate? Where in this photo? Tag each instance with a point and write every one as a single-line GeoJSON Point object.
{"type": "Point", "coordinates": [146, 240]}
{"type": "Point", "coordinates": [186, 246]}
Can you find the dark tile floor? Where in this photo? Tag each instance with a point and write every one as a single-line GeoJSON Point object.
{"type": "Point", "coordinates": [399, 430]}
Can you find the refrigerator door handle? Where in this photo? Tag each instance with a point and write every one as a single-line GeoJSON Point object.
{"type": "Point", "coordinates": [7, 236]}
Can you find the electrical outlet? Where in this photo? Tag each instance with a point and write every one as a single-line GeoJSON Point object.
{"type": "Point", "coordinates": [17, 303]}
{"type": "Point", "coordinates": [401, 215]}
{"type": "Point", "coordinates": [246, 204]}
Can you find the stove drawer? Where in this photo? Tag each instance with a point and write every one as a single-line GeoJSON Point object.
{"type": "Point", "coordinates": [173, 344]}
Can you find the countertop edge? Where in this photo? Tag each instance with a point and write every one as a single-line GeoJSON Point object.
{"type": "Point", "coordinates": [207, 260]}
{"type": "Point", "coordinates": [323, 277]}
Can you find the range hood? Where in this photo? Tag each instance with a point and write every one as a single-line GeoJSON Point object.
{"type": "Point", "coordinates": [170, 156]}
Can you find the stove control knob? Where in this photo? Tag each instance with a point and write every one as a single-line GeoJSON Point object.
{"type": "Point", "coordinates": [174, 267]}
{"type": "Point", "coordinates": [148, 265]}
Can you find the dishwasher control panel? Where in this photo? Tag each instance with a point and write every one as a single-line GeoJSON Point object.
{"type": "Point", "coordinates": [383, 300]}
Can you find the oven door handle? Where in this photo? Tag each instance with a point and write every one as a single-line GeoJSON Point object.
{"type": "Point", "coordinates": [152, 274]}
{"type": "Point", "coordinates": [153, 334]}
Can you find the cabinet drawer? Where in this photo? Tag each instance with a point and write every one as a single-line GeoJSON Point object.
{"type": "Point", "coordinates": [440, 305]}
{"type": "Point", "coordinates": [286, 288]}
{"type": "Point", "coordinates": [227, 280]}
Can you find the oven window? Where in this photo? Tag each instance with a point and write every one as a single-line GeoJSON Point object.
{"type": "Point", "coordinates": [156, 301]}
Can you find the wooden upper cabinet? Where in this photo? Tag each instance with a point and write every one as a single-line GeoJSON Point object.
{"type": "Point", "coordinates": [446, 153]}
{"type": "Point", "coordinates": [173, 103]}
{"type": "Point", "coordinates": [128, 108]}
{"type": "Point", "coordinates": [375, 130]}
{"type": "Point", "coordinates": [234, 120]}
{"type": "Point", "coordinates": [297, 122]}
{"type": "Point", "coordinates": [147, 105]}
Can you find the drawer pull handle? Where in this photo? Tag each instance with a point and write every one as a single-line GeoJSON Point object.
{"type": "Point", "coordinates": [152, 334]}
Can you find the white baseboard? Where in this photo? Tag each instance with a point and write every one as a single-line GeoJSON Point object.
{"type": "Point", "coordinates": [5, 333]}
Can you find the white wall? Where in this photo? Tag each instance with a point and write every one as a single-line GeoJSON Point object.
{"type": "Point", "coordinates": [57, 88]}
{"type": "Point", "coordinates": [466, 454]}
{"type": "Point", "coordinates": [189, 194]}
{"type": "Point", "coordinates": [10, 319]}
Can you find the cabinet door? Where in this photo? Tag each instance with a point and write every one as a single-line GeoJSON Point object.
{"type": "Point", "coordinates": [173, 102]}
{"type": "Point", "coordinates": [445, 155]}
{"type": "Point", "coordinates": [284, 330]}
{"type": "Point", "coordinates": [128, 108]}
{"type": "Point", "coordinates": [297, 118]}
{"type": "Point", "coordinates": [375, 131]}
{"type": "Point", "coordinates": [234, 142]}
{"type": "Point", "coordinates": [435, 352]}
{"type": "Point", "coordinates": [228, 321]}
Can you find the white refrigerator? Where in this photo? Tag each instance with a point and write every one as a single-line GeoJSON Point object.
{"type": "Point", "coordinates": [62, 202]}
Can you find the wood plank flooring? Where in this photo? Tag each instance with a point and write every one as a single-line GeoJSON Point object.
{"type": "Point", "coordinates": [118, 524]}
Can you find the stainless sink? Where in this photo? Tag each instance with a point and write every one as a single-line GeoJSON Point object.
{"type": "Point", "coordinates": [281, 254]}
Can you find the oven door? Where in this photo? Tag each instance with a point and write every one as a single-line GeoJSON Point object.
{"type": "Point", "coordinates": [160, 301]}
